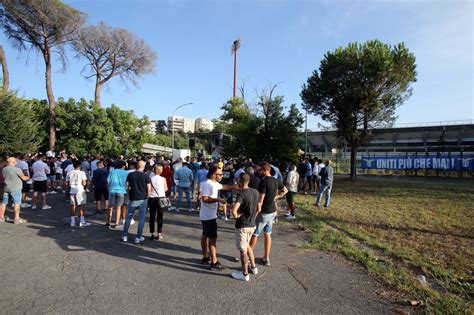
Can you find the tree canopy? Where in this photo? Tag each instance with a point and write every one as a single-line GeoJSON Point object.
{"type": "Point", "coordinates": [45, 25]}
{"type": "Point", "coordinates": [113, 52]}
{"type": "Point", "coordinates": [265, 132]}
{"type": "Point", "coordinates": [358, 87]}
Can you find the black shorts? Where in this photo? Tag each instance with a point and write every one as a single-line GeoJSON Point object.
{"type": "Point", "coordinates": [25, 188]}
{"type": "Point", "coordinates": [40, 186]}
{"type": "Point", "coordinates": [98, 193]}
{"type": "Point", "coordinates": [209, 228]}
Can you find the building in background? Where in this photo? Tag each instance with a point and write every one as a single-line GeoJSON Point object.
{"type": "Point", "coordinates": [203, 124]}
{"type": "Point", "coordinates": [178, 123]}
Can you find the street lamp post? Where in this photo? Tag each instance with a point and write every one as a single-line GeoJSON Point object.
{"type": "Point", "coordinates": [172, 130]}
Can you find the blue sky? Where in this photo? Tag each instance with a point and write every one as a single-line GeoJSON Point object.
{"type": "Point", "coordinates": [282, 42]}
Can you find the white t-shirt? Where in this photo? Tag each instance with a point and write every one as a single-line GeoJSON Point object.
{"type": "Point", "coordinates": [75, 179]}
{"type": "Point", "coordinates": [209, 210]}
{"type": "Point", "coordinates": [158, 183]}
{"type": "Point", "coordinates": [40, 169]}
{"type": "Point", "coordinates": [22, 165]}
{"type": "Point", "coordinates": [292, 181]}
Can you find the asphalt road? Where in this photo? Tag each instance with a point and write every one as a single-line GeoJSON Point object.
{"type": "Point", "coordinates": [49, 267]}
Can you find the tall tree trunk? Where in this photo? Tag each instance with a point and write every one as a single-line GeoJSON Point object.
{"type": "Point", "coordinates": [52, 103]}
{"type": "Point", "coordinates": [6, 75]}
{"type": "Point", "coordinates": [98, 88]}
{"type": "Point", "coordinates": [353, 161]}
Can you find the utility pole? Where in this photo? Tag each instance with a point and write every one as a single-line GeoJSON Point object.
{"type": "Point", "coordinates": [235, 47]}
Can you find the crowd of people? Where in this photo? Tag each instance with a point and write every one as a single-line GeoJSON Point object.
{"type": "Point", "coordinates": [240, 189]}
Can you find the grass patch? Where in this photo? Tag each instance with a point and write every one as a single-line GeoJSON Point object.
{"type": "Point", "coordinates": [399, 229]}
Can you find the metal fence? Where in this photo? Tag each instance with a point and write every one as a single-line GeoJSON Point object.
{"type": "Point", "coordinates": [342, 164]}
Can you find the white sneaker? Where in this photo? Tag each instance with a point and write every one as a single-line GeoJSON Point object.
{"type": "Point", "coordinates": [33, 208]}
{"type": "Point", "coordinates": [27, 199]}
{"type": "Point", "coordinates": [46, 207]}
{"type": "Point", "coordinates": [240, 276]}
{"type": "Point", "coordinates": [53, 192]}
{"type": "Point", "coordinates": [124, 238]}
{"type": "Point", "coordinates": [176, 209]}
{"type": "Point", "coordinates": [132, 222]}
{"type": "Point", "coordinates": [171, 208]}
{"type": "Point", "coordinates": [25, 205]}
{"type": "Point", "coordinates": [291, 217]}
{"type": "Point", "coordinates": [83, 224]}
{"type": "Point", "coordinates": [287, 213]}
{"type": "Point", "coordinates": [253, 270]}
{"type": "Point", "coordinates": [121, 222]}
{"type": "Point", "coordinates": [73, 223]}
{"type": "Point", "coordinates": [139, 240]}
{"type": "Point", "coordinates": [190, 210]}
{"type": "Point", "coordinates": [47, 193]}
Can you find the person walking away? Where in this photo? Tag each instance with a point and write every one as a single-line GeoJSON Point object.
{"type": "Point", "coordinates": [117, 189]}
{"type": "Point", "coordinates": [99, 185]}
{"type": "Point", "coordinates": [302, 168]}
{"type": "Point", "coordinates": [159, 187]}
{"type": "Point", "coordinates": [13, 179]}
{"type": "Point", "coordinates": [184, 178]}
{"type": "Point", "coordinates": [245, 211]}
{"type": "Point", "coordinates": [77, 181]}
{"type": "Point", "coordinates": [292, 181]}
{"type": "Point", "coordinates": [139, 188]}
{"type": "Point", "coordinates": [40, 182]}
{"type": "Point", "coordinates": [208, 216]}
{"type": "Point", "coordinates": [326, 184]}
{"type": "Point", "coordinates": [270, 190]}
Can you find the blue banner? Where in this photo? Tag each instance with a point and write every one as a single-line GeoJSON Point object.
{"type": "Point", "coordinates": [466, 163]}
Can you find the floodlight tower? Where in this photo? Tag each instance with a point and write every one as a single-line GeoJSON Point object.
{"type": "Point", "coordinates": [235, 47]}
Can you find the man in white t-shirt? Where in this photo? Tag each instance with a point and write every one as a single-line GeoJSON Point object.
{"type": "Point", "coordinates": [40, 181]}
{"type": "Point", "coordinates": [208, 215]}
{"type": "Point", "coordinates": [77, 181]}
{"type": "Point", "coordinates": [25, 168]}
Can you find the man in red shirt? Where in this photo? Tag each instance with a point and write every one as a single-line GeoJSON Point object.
{"type": "Point", "coordinates": [168, 175]}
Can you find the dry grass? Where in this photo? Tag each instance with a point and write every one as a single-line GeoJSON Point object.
{"type": "Point", "coordinates": [400, 229]}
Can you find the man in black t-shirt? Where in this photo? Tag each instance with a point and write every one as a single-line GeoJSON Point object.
{"type": "Point", "coordinates": [228, 179]}
{"type": "Point", "coordinates": [270, 190]}
{"type": "Point", "coordinates": [245, 211]}
{"type": "Point", "coordinates": [138, 186]}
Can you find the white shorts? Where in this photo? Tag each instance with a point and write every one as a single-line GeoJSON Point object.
{"type": "Point", "coordinates": [78, 199]}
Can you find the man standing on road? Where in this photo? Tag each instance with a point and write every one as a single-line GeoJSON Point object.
{"type": "Point", "coordinates": [40, 182]}
{"type": "Point", "coordinates": [13, 184]}
{"type": "Point", "coordinates": [184, 178]}
{"type": "Point", "coordinates": [270, 190]}
{"type": "Point", "coordinates": [99, 185]}
{"type": "Point", "coordinates": [77, 181]}
{"type": "Point", "coordinates": [326, 174]}
{"type": "Point", "coordinates": [139, 188]}
{"type": "Point", "coordinates": [245, 211]}
{"type": "Point", "coordinates": [208, 216]}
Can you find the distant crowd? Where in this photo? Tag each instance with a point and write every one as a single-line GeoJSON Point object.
{"type": "Point", "coordinates": [240, 189]}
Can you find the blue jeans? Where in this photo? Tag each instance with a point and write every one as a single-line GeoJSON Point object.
{"type": "Point", "coordinates": [133, 205]}
{"type": "Point", "coordinates": [15, 195]}
{"type": "Point", "coordinates": [327, 189]}
{"type": "Point", "coordinates": [264, 223]}
{"type": "Point", "coordinates": [180, 196]}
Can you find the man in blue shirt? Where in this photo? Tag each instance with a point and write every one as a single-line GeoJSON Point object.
{"type": "Point", "coordinates": [326, 183]}
{"type": "Point", "coordinates": [184, 178]}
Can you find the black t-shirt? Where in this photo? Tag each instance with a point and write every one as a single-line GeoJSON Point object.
{"type": "Point", "coordinates": [269, 186]}
{"type": "Point", "coordinates": [248, 199]}
{"type": "Point", "coordinates": [137, 183]}
{"type": "Point", "coordinates": [100, 178]}
{"type": "Point", "coordinates": [227, 177]}
{"type": "Point", "coordinates": [254, 181]}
